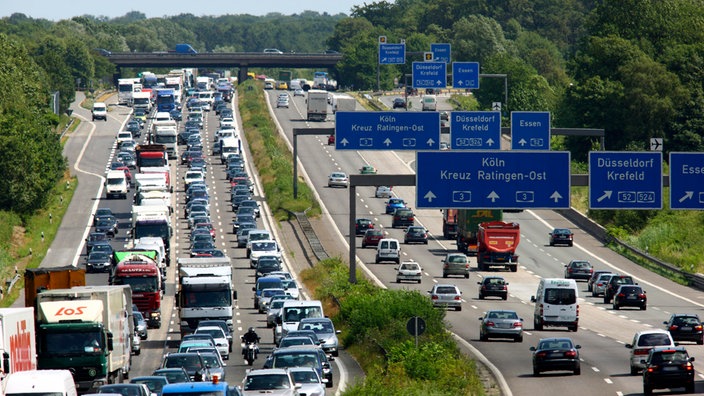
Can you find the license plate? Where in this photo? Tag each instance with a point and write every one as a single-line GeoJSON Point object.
{"type": "Point", "coordinates": [504, 325]}
{"type": "Point", "coordinates": [686, 329]}
{"type": "Point", "coordinates": [631, 297]}
{"type": "Point", "coordinates": [670, 368]}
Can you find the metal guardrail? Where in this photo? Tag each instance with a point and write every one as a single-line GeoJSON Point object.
{"type": "Point", "coordinates": [311, 237]}
{"type": "Point", "coordinates": [600, 233]}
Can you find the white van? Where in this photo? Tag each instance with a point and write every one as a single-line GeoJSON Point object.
{"type": "Point", "coordinates": [100, 111]}
{"type": "Point", "coordinates": [429, 103]}
{"type": "Point", "coordinates": [228, 147]}
{"type": "Point", "coordinates": [40, 382]}
{"type": "Point", "coordinates": [556, 304]}
{"type": "Point", "coordinates": [116, 184]}
{"type": "Point", "coordinates": [162, 117]}
{"type": "Point", "coordinates": [388, 250]}
{"type": "Point", "coordinates": [291, 314]}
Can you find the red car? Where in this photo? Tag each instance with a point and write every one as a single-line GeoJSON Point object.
{"type": "Point", "coordinates": [331, 139]}
{"type": "Point", "coordinates": [208, 226]}
{"type": "Point", "coordinates": [372, 237]}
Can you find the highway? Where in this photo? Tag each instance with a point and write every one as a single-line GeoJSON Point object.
{"type": "Point", "coordinates": [603, 332]}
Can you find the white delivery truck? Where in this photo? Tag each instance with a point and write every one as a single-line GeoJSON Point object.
{"type": "Point", "coordinates": [556, 304]}
{"type": "Point", "coordinates": [166, 133]}
{"type": "Point", "coordinates": [116, 185]}
{"type": "Point", "coordinates": [342, 102]}
{"type": "Point", "coordinates": [142, 100]}
{"type": "Point", "coordinates": [317, 104]}
{"type": "Point", "coordinates": [17, 337]}
{"type": "Point", "coordinates": [204, 291]}
{"type": "Point", "coordinates": [40, 383]}
{"type": "Point", "coordinates": [87, 330]}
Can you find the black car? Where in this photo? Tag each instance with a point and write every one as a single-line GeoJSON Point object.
{"type": "Point", "coordinates": [98, 262]}
{"type": "Point", "coordinates": [614, 283]}
{"type": "Point", "coordinates": [107, 225]}
{"type": "Point", "coordinates": [668, 367]}
{"type": "Point", "coordinates": [493, 286]}
{"type": "Point", "coordinates": [630, 296]}
{"type": "Point", "coordinates": [267, 265]}
{"type": "Point", "coordinates": [403, 218]}
{"type": "Point", "coordinates": [362, 225]}
{"type": "Point", "coordinates": [685, 327]}
{"type": "Point", "coordinates": [561, 236]}
{"type": "Point", "coordinates": [556, 354]}
{"type": "Point", "coordinates": [245, 218]}
{"type": "Point", "coordinates": [176, 114]}
{"type": "Point", "coordinates": [100, 213]}
{"type": "Point", "coordinates": [399, 103]}
{"type": "Point", "coordinates": [135, 127]}
{"type": "Point", "coordinates": [95, 238]}
{"type": "Point", "coordinates": [184, 135]}
{"type": "Point", "coordinates": [416, 234]}
{"type": "Point", "coordinates": [579, 269]}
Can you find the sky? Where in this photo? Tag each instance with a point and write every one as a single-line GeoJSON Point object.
{"type": "Point", "coordinates": [64, 9]}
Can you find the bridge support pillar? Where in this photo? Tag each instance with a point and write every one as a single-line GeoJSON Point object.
{"type": "Point", "coordinates": [242, 74]}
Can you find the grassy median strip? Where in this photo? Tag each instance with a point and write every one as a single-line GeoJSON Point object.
{"type": "Point", "coordinates": [373, 320]}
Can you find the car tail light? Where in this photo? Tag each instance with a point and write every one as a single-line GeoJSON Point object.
{"type": "Point", "coordinates": [457, 298]}
{"type": "Point", "coordinates": [652, 368]}
{"type": "Point", "coordinates": [571, 354]}
{"type": "Point", "coordinates": [570, 269]}
{"type": "Point", "coordinates": [698, 328]}
{"type": "Point", "coordinates": [641, 351]}
{"type": "Point", "coordinates": [490, 324]}
{"type": "Point", "coordinates": [504, 287]}
{"type": "Point", "coordinates": [446, 265]}
{"type": "Point", "coordinates": [688, 366]}
{"type": "Point", "coordinates": [517, 324]}
{"type": "Point", "coordinates": [541, 354]}
{"type": "Point", "coordinates": [675, 327]}
{"type": "Point", "coordinates": [642, 295]}
{"type": "Point", "coordinates": [434, 297]}
{"type": "Point", "coordinates": [621, 295]}
{"type": "Point", "coordinates": [541, 310]}
{"type": "Point", "coordinates": [577, 310]}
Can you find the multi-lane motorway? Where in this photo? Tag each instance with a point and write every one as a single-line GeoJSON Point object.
{"type": "Point", "coordinates": [603, 331]}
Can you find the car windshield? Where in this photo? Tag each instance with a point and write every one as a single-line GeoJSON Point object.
{"type": "Point", "coordinates": [211, 360]}
{"type": "Point", "coordinates": [458, 259]}
{"type": "Point", "coordinates": [409, 266]}
{"type": "Point", "coordinates": [445, 290]}
{"type": "Point", "coordinates": [284, 360]}
{"type": "Point", "coordinates": [305, 377]}
{"type": "Point", "coordinates": [581, 264]}
{"type": "Point", "coordinates": [686, 320]}
{"type": "Point", "coordinates": [318, 327]}
{"type": "Point", "coordinates": [669, 356]}
{"type": "Point", "coordinates": [266, 246]}
{"type": "Point", "coordinates": [561, 231]}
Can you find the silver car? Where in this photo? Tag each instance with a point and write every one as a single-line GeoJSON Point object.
{"type": "Point", "coordinates": [259, 381]}
{"type": "Point", "coordinates": [325, 330]}
{"type": "Point", "coordinates": [501, 324]}
{"type": "Point", "coordinates": [338, 179]}
{"type": "Point", "coordinates": [446, 296]}
{"type": "Point", "coordinates": [273, 311]}
{"type": "Point", "coordinates": [140, 325]}
{"type": "Point", "coordinates": [310, 381]}
{"type": "Point", "coordinates": [600, 285]}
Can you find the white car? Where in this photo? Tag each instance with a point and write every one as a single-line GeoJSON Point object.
{"type": "Point", "coordinates": [383, 192]}
{"type": "Point", "coordinates": [262, 381]}
{"type": "Point", "coordinates": [221, 342]}
{"type": "Point", "coordinates": [299, 92]}
{"type": "Point", "coordinates": [227, 123]}
{"type": "Point", "coordinates": [263, 248]}
{"type": "Point", "coordinates": [338, 179]}
{"type": "Point", "coordinates": [282, 101]}
{"type": "Point", "coordinates": [193, 176]}
{"type": "Point", "coordinates": [408, 271]}
{"type": "Point", "coordinates": [310, 381]}
{"type": "Point", "coordinates": [123, 137]}
{"type": "Point", "coordinates": [291, 287]}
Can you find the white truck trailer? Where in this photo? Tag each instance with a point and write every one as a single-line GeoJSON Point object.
{"type": "Point", "coordinates": [317, 104]}
{"type": "Point", "coordinates": [17, 348]}
{"type": "Point", "coordinates": [88, 330]}
{"type": "Point", "coordinates": [205, 291]}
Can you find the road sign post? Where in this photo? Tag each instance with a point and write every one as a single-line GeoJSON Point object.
{"type": "Point", "coordinates": [429, 75]}
{"type": "Point", "coordinates": [493, 180]}
{"type": "Point", "coordinates": [387, 130]}
{"type": "Point", "coordinates": [530, 130]}
{"type": "Point", "coordinates": [687, 181]}
{"type": "Point", "coordinates": [625, 180]}
{"type": "Point", "coordinates": [475, 130]}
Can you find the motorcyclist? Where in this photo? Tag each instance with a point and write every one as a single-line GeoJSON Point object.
{"type": "Point", "coordinates": [250, 337]}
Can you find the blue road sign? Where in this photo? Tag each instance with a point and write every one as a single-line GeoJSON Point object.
{"type": "Point", "coordinates": [387, 130]}
{"type": "Point", "coordinates": [429, 75]}
{"type": "Point", "coordinates": [625, 180]}
{"type": "Point", "coordinates": [493, 180]}
{"type": "Point", "coordinates": [475, 130]}
{"type": "Point", "coordinates": [441, 52]}
{"type": "Point", "coordinates": [687, 181]}
{"type": "Point", "coordinates": [465, 75]}
{"type": "Point", "coordinates": [392, 54]}
{"type": "Point", "coordinates": [530, 130]}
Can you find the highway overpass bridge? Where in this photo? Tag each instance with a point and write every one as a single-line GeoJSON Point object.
{"type": "Point", "coordinates": [241, 60]}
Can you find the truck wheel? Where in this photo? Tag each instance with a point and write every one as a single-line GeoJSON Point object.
{"type": "Point", "coordinates": [514, 268]}
{"type": "Point", "coordinates": [537, 324]}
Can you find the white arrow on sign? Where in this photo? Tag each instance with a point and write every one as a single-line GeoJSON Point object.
{"type": "Point", "coordinates": [430, 142]}
{"type": "Point", "coordinates": [490, 142]}
{"type": "Point", "coordinates": [460, 83]}
{"type": "Point", "coordinates": [429, 196]}
{"type": "Point", "coordinates": [387, 142]}
{"type": "Point", "coordinates": [687, 195]}
{"type": "Point", "coordinates": [344, 142]}
{"type": "Point", "coordinates": [607, 194]}
{"type": "Point", "coordinates": [493, 196]}
{"type": "Point", "coordinates": [556, 196]}
{"type": "Point", "coordinates": [522, 142]}
{"type": "Point", "coordinates": [438, 83]}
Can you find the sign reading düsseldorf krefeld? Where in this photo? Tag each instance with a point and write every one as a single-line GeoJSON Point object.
{"type": "Point", "coordinates": [493, 180]}
{"type": "Point", "coordinates": [387, 130]}
{"type": "Point", "coordinates": [625, 180]}
{"type": "Point", "coordinates": [392, 54]}
{"type": "Point", "coordinates": [475, 130]}
{"type": "Point", "coordinates": [429, 75]}
{"type": "Point", "coordinates": [687, 181]}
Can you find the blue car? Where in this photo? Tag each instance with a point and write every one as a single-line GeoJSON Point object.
{"type": "Point", "coordinates": [394, 203]}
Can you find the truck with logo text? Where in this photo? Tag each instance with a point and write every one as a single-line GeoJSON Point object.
{"type": "Point", "coordinates": [87, 330]}
{"type": "Point", "coordinates": [17, 335]}
{"type": "Point", "coordinates": [140, 270]}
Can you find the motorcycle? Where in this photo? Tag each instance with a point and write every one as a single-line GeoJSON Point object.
{"type": "Point", "coordinates": [251, 350]}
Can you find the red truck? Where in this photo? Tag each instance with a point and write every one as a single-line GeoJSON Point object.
{"type": "Point", "coordinates": [151, 156]}
{"type": "Point", "coordinates": [140, 271]}
{"type": "Point", "coordinates": [468, 221]}
{"type": "Point", "coordinates": [497, 243]}
{"type": "Point", "coordinates": [449, 223]}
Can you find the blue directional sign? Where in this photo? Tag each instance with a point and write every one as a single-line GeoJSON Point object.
{"type": "Point", "coordinates": [392, 54]}
{"type": "Point", "coordinates": [530, 130]}
{"type": "Point", "coordinates": [441, 52]}
{"type": "Point", "coordinates": [475, 130]}
{"type": "Point", "coordinates": [625, 180]}
{"type": "Point", "coordinates": [687, 181]}
{"type": "Point", "coordinates": [387, 130]}
{"type": "Point", "coordinates": [465, 75]}
{"type": "Point", "coordinates": [493, 180]}
{"type": "Point", "coordinates": [429, 75]}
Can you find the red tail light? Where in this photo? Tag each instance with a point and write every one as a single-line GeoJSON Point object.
{"type": "Point", "coordinates": [504, 288]}
{"type": "Point", "coordinates": [698, 328]}
{"type": "Point", "coordinates": [641, 296]}
{"type": "Point", "coordinates": [457, 298]}
{"type": "Point", "coordinates": [517, 324]}
{"type": "Point", "coordinates": [541, 354]}
{"type": "Point", "coordinates": [434, 297]}
{"type": "Point", "coordinates": [570, 354]}
{"type": "Point", "coordinates": [621, 295]}
{"type": "Point", "coordinates": [675, 327]}
{"type": "Point", "coordinates": [490, 324]}
{"type": "Point", "coordinates": [688, 366]}
{"type": "Point", "coordinates": [652, 368]}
